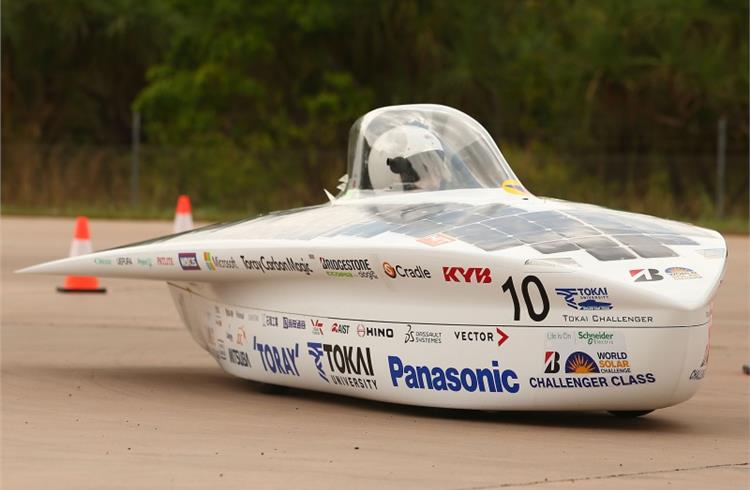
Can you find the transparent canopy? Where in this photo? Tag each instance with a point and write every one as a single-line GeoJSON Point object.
{"type": "Point", "coordinates": [423, 147]}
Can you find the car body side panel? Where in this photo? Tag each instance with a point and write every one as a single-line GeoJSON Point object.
{"type": "Point", "coordinates": [454, 366]}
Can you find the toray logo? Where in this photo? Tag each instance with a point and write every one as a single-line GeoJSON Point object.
{"type": "Point", "coordinates": [481, 275]}
{"type": "Point", "coordinates": [646, 275]}
{"type": "Point", "coordinates": [278, 360]}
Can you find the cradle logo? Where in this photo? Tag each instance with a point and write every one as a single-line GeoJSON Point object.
{"type": "Point", "coordinates": [398, 270]}
{"type": "Point", "coordinates": [646, 275]}
{"type": "Point", "coordinates": [480, 275]}
{"type": "Point", "coordinates": [454, 379]}
{"type": "Point", "coordinates": [585, 298]}
{"type": "Point", "coordinates": [188, 261]}
{"type": "Point", "coordinates": [580, 363]}
{"type": "Point", "coordinates": [389, 270]}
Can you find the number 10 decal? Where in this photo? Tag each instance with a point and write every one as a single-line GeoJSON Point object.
{"type": "Point", "coordinates": [537, 317]}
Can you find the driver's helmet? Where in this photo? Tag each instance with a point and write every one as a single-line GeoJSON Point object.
{"type": "Point", "coordinates": [407, 157]}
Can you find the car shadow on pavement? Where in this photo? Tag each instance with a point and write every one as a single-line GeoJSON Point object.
{"type": "Point", "coordinates": [209, 381]}
{"type": "Point", "coordinates": [568, 419]}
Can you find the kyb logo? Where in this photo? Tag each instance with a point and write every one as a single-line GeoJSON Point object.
{"type": "Point", "coordinates": [481, 275]}
{"type": "Point", "coordinates": [646, 275]}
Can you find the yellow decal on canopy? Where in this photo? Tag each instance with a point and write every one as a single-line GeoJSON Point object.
{"type": "Point", "coordinates": [514, 187]}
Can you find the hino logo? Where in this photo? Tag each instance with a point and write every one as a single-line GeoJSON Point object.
{"type": "Point", "coordinates": [481, 275]}
{"type": "Point", "coordinates": [363, 331]}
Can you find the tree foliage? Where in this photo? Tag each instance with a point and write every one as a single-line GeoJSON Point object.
{"type": "Point", "coordinates": [248, 104]}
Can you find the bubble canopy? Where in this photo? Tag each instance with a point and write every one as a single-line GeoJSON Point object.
{"type": "Point", "coordinates": [423, 147]}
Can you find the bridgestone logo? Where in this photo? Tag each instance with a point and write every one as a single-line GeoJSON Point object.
{"type": "Point", "coordinates": [345, 264]}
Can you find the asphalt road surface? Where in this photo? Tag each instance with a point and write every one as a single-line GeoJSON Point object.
{"type": "Point", "coordinates": [109, 391]}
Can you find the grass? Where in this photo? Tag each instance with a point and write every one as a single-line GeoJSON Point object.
{"type": "Point", "coordinates": [729, 225]}
{"type": "Point", "coordinates": [122, 212]}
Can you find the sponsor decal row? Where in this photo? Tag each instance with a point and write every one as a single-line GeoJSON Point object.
{"type": "Point", "coordinates": [589, 298]}
{"type": "Point", "coordinates": [352, 367]}
{"type": "Point", "coordinates": [606, 369]}
{"type": "Point", "coordinates": [415, 335]}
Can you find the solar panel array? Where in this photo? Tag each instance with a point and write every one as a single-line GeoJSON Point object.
{"type": "Point", "coordinates": [604, 234]}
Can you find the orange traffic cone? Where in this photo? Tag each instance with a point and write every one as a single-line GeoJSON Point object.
{"type": "Point", "coordinates": [81, 245]}
{"type": "Point", "coordinates": [183, 216]}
